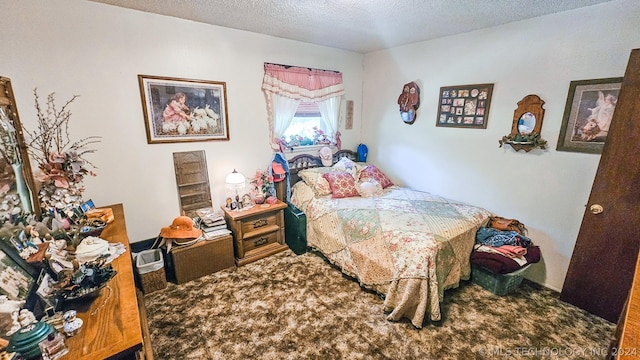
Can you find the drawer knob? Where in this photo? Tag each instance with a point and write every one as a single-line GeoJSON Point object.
{"type": "Point", "coordinates": [260, 241]}
{"type": "Point", "coordinates": [259, 223]}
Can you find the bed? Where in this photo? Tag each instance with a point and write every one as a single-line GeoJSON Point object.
{"type": "Point", "coordinates": [407, 245]}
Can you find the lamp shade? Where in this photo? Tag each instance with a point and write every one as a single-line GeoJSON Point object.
{"type": "Point", "coordinates": [235, 178]}
{"type": "Point", "coordinates": [235, 183]}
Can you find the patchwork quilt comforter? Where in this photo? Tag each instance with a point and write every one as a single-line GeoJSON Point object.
{"type": "Point", "coordinates": [408, 245]}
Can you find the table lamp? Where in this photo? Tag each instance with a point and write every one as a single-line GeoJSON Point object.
{"type": "Point", "coordinates": [235, 184]}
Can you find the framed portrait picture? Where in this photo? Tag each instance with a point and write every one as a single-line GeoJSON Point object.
{"type": "Point", "coordinates": [178, 110]}
{"type": "Point", "coordinates": [587, 114]}
{"type": "Point", "coordinates": [87, 205]}
{"type": "Point", "coordinates": [17, 282]}
{"type": "Point", "coordinates": [464, 106]}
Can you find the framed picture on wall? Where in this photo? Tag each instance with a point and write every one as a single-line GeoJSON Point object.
{"type": "Point", "coordinates": [587, 114]}
{"type": "Point", "coordinates": [178, 110]}
{"type": "Point", "coordinates": [464, 106]}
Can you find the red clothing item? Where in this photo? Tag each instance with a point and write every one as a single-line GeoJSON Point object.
{"type": "Point", "coordinates": [501, 264]}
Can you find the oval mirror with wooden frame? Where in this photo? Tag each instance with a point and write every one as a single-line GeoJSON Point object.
{"type": "Point", "coordinates": [526, 126]}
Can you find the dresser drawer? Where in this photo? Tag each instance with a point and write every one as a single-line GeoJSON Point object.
{"type": "Point", "coordinates": [258, 223]}
{"type": "Point", "coordinates": [257, 242]}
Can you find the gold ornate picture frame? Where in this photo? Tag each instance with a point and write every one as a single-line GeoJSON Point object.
{"type": "Point", "coordinates": [177, 110]}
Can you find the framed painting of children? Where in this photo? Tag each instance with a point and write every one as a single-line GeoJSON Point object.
{"type": "Point", "coordinates": [178, 110]}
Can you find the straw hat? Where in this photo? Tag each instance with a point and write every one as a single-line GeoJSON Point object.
{"type": "Point", "coordinates": [181, 228]}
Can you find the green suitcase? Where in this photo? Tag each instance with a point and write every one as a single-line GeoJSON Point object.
{"type": "Point", "coordinates": [295, 229]}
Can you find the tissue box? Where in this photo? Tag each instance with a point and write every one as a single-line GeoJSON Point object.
{"type": "Point", "coordinates": [104, 214]}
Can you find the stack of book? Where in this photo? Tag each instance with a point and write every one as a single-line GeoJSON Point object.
{"type": "Point", "coordinates": [212, 223]}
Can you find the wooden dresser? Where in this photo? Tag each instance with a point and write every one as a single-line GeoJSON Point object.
{"type": "Point", "coordinates": [257, 232]}
{"type": "Point", "coordinates": [114, 323]}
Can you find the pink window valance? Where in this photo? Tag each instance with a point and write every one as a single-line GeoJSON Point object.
{"type": "Point", "coordinates": [302, 83]}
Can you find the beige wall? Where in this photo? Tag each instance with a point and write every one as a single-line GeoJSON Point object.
{"type": "Point", "coordinates": [97, 51]}
{"type": "Point", "coordinates": [547, 190]}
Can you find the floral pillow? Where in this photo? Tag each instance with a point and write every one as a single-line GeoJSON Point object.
{"type": "Point", "coordinates": [313, 178]}
{"type": "Point", "coordinates": [347, 165]}
{"type": "Point", "coordinates": [369, 188]}
{"type": "Point", "coordinates": [341, 183]}
{"type": "Point", "coordinates": [372, 172]}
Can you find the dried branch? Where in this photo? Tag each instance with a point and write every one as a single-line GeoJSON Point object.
{"type": "Point", "coordinates": [50, 144]}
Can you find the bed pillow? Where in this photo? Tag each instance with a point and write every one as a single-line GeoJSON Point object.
{"type": "Point", "coordinates": [372, 172]}
{"type": "Point", "coordinates": [347, 165]}
{"type": "Point", "coordinates": [313, 178]}
{"type": "Point", "coordinates": [369, 188]}
{"type": "Point", "coordinates": [341, 183]}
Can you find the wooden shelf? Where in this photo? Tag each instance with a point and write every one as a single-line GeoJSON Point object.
{"type": "Point", "coordinates": [194, 183]}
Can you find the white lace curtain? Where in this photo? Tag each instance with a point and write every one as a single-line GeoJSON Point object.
{"type": "Point", "coordinates": [285, 87]}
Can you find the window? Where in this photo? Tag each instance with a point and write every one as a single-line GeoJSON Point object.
{"type": "Point", "coordinates": [303, 105]}
{"type": "Point", "coordinates": [306, 128]}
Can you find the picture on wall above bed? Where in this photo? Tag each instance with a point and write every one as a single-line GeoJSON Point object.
{"type": "Point", "coordinates": [464, 106]}
{"type": "Point", "coordinates": [177, 110]}
{"type": "Point", "coordinates": [587, 115]}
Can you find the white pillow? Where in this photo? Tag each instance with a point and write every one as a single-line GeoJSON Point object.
{"type": "Point", "coordinates": [369, 188]}
{"type": "Point", "coordinates": [349, 166]}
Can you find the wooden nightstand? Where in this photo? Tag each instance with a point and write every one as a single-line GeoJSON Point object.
{"type": "Point", "coordinates": [257, 232]}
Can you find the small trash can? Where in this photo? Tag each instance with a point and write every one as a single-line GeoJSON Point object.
{"type": "Point", "coordinates": [150, 265]}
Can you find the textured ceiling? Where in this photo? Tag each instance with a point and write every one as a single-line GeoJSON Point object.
{"type": "Point", "coordinates": [356, 25]}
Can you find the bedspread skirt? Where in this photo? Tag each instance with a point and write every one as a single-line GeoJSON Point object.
{"type": "Point", "coordinates": [408, 245]}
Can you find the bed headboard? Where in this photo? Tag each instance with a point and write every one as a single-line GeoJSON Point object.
{"type": "Point", "coordinates": [307, 161]}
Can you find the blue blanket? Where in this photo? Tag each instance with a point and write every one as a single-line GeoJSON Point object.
{"type": "Point", "coordinates": [495, 238]}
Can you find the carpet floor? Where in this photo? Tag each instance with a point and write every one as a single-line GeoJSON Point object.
{"type": "Point", "coordinates": [299, 307]}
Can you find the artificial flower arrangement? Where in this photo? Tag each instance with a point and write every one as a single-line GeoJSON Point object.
{"type": "Point", "coordinates": [61, 162]}
{"type": "Point", "coordinates": [262, 183]}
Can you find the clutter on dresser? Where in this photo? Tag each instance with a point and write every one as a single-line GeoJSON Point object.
{"type": "Point", "coordinates": [501, 254]}
{"type": "Point", "coordinates": [58, 263]}
{"type": "Point", "coordinates": [26, 340]}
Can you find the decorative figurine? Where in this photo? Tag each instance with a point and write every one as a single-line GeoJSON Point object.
{"type": "Point", "coordinates": [72, 324]}
{"type": "Point", "coordinates": [409, 102]}
{"type": "Point", "coordinates": [246, 201]}
{"type": "Point", "coordinates": [53, 347]}
{"type": "Point", "coordinates": [26, 317]}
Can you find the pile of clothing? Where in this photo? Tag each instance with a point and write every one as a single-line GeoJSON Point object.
{"type": "Point", "coordinates": [502, 246]}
